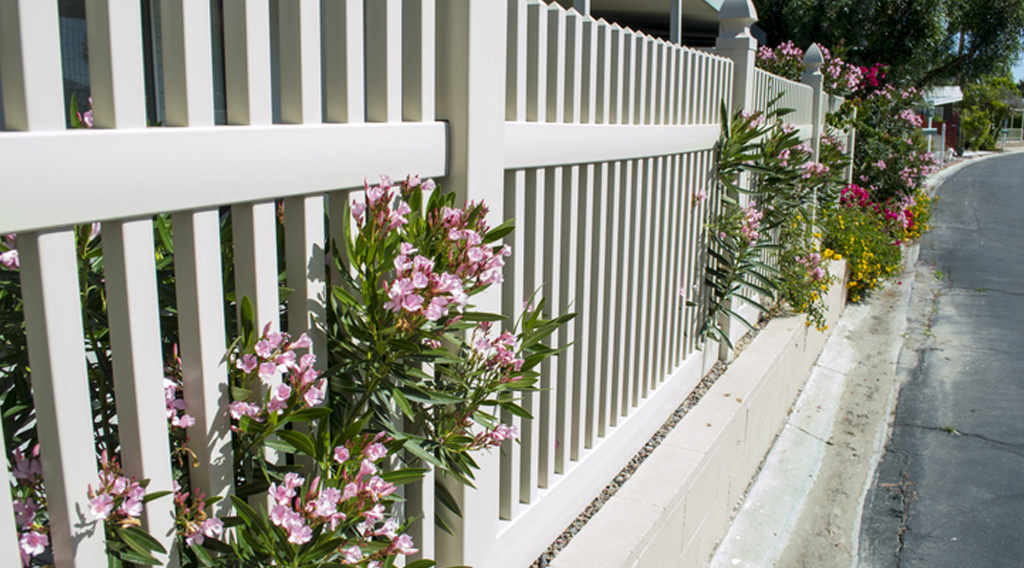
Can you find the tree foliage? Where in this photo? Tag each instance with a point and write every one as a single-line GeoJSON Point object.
{"type": "Point", "coordinates": [987, 105]}
{"type": "Point", "coordinates": [926, 42]}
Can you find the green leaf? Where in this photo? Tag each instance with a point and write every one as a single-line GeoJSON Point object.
{"type": "Point", "coordinates": [248, 514]}
{"type": "Point", "coordinates": [404, 476]}
{"type": "Point", "coordinates": [155, 495]}
{"type": "Point", "coordinates": [403, 403]}
{"type": "Point", "coordinates": [202, 555]}
{"type": "Point", "coordinates": [308, 414]}
{"type": "Point", "coordinates": [299, 441]}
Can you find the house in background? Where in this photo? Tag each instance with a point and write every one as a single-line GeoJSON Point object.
{"type": "Point", "coordinates": [693, 23]}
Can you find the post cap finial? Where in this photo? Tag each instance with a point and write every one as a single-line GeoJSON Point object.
{"type": "Point", "coordinates": [738, 10]}
{"type": "Point", "coordinates": [813, 57]}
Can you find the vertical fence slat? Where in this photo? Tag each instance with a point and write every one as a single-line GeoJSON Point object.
{"type": "Point", "coordinates": [654, 332]}
{"type": "Point", "coordinates": [573, 66]}
{"type": "Point", "coordinates": [513, 296]}
{"type": "Point", "coordinates": [556, 64]}
{"type": "Point", "coordinates": [533, 277]}
{"type": "Point", "coordinates": [643, 262]}
{"type": "Point", "coordinates": [642, 59]}
{"type": "Point", "coordinates": [536, 63]}
{"type": "Point", "coordinates": [247, 61]}
{"type": "Point", "coordinates": [589, 79]}
{"type": "Point", "coordinates": [115, 64]}
{"type": "Point", "coordinates": [515, 67]}
{"type": "Point", "coordinates": [603, 60]}
{"type": "Point", "coordinates": [343, 64]}
{"type": "Point", "coordinates": [552, 389]}
{"type": "Point", "coordinates": [599, 334]}
{"type": "Point", "coordinates": [569, 397]}
{"type": "Point", "coordinates": [300, 62]}
{"type": "Point", "coordinates": [187, 63]}
{"type": "Point", "coordinates": [419, 55]}
{"type": "Point", "coordinates": [384, 61]}
{"type": "Point", "coordinates": [133, 311]}
{"type": "Point", "coordinates": [628, 77]}
{"type": "Point", "coordinates": [197, 270]}
{"type": "Point", "coordinates": [60, 385]}
{"type": "Point", "coordinates": [584, 404]}
{"type": "Point", "coordinates": [616, 74]}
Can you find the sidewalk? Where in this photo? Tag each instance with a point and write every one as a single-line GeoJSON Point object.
{"type": "Point", "coordinates": [804, 507]}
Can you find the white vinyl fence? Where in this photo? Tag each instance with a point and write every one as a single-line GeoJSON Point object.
{"type": "Point", "coordinates": [595, 138]}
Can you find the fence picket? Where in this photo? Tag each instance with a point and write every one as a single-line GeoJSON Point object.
{"type": "Point", "coordinates": [131, 288]}
{"type": "Point", "coordinates": [419, 60]}
{"type": "Point", "coordinates": [573, 67]}
{"type": "Point", "coordinates": [556, 64]}
{"type": "Point", "coordinates": [343, 86]}
{"type": "Point", "coordinates": [536, 63]}
{"type": "Point", "coordinates": [552, 445]}
{"type": "Point", "coordinates": [533, 277]}
{"type": "Point", "coordinates": [60, 390]}
{"type": "Point", "coordinates": [515, 70]}
{"type": "Point", "coordinates": [514, 293]}
{"type": "Point", "coordinates": [384, 61]}
{"type": "Point", "coordinates": [589, 77]}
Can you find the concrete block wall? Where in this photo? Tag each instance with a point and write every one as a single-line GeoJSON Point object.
{"type": "Point", "coordinates": [677, 505]}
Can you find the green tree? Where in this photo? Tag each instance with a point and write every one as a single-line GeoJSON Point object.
{"type": "Point", "coordinates": [925, 42]}
{"type": "Point", "coordinates": [987, 104]}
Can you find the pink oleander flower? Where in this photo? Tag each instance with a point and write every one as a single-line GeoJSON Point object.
{"type": "Point", "coordinates": [341, 454]}
{"type": "Point", "coordinates": [33, 543]}
{"type": "Point", "coordinates": [403, 545]}
{"type": "Point", "coordinates": [101, 506]}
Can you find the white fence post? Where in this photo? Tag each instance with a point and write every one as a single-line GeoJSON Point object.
{"type": "Point", "coordinates": [735, 42]}
{"type": "Point", "coordinates": [471, 97]}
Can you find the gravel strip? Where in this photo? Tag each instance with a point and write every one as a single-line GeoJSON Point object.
{"type": "Point", "coordinates": [691, 400]}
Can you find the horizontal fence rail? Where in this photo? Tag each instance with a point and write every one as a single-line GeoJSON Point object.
{"type": "Point", "coordinates": [606, 156]}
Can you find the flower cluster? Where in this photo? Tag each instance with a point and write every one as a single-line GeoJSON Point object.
{"type": "Point", "coordinates": [275, 353]}
{"type": "Point", "coordinates": [191, 518]}
{"type": "Point", "coordinates": [751, 223]}
{"type": "Point", "coordinates": [29, 504]}
{"type": "Point", "coordinates": [841, 78]}
{"type": "Point", "coordinates": [500, 354]}
{"type": "Point", "coordinates": [418, 289]}
{"type": "Point", "coordinates": [785, 60]}
{"type": "Point", "coordinates": [814, 169]}
{"type": "Point", "coordinates": [349, 491]}
{"type": "Point", "coordinates": [912, 118]}
{"type": "Point", "coordinates": [493, 437]}
{"type": "Point", "coordinates": [117, 497]}
{"type": "Point", "coordinates": [812, 263]}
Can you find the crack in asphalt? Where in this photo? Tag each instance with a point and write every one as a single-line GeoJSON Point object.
{"type": "Point", "coordinates": [1017, 449]}
{"type": "Point", "coordinates": [984, 290]}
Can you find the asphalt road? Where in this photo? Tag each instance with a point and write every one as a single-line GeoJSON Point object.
{"type": "Point", "coordinates": [949, 490]}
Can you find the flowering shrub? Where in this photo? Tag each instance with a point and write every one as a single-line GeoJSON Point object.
{"type": "Point", "coordinates": [868, 234]}
{"type": "Point", "coordinates": [767, 249]}
{"type": "Point", "coordinates": [415, 376]}
{"type": "Point", "coordinates": [408, 276]}
{"type": "Point", "coordinates": [841, 78]}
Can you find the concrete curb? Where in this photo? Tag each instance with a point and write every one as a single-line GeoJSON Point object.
{"type": "Point", "coordinates": [763, 525]}
{"type": "Point", "coordinates": [677, 504]}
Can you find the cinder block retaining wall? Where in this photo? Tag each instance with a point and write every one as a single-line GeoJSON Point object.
{"type": "Point", "coordinates": [678, 504]}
